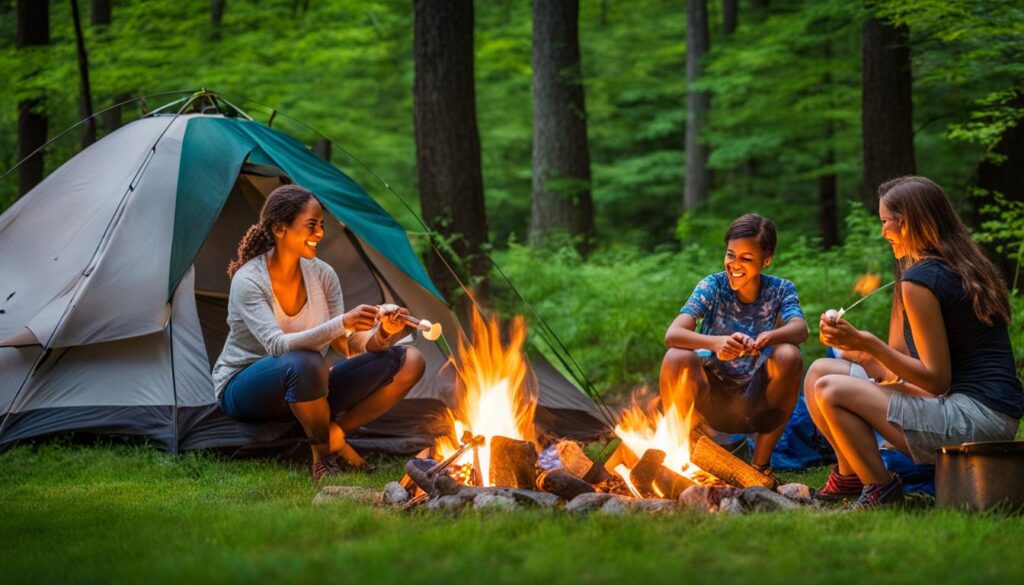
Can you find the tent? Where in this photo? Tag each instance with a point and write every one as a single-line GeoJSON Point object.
{"type": "Point", "coordinates": [113, 290]}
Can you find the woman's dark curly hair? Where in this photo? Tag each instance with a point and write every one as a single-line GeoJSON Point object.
{"type": "Point", "coordinates": [281, 207]}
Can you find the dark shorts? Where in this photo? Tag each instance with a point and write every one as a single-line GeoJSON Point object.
{"type": "Point", "coordinates": [739, 405]}
{"type": "Point", "coordinates": [262, 391]}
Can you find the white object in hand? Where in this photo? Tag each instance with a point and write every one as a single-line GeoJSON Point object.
{"type": "Point", "coordinates": [832, 315]}
{"type": "Point", "coordinates": [431, 331]}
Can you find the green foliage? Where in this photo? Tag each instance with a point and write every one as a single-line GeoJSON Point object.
{"type": "Point", "coordinates": [611, 310]}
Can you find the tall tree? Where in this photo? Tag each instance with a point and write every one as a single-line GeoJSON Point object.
{"type": "Point", "coordinates": [1002, 172]}
{"type": "Point", "coordinates": [886, 106]}
{"type": "Point", "coordinates": [447, 140]}
{"type": "Point", "coordinates": [33, 31]}
{"type": "Point", "coordinates": [85, 93]}
{"type": "Point", "coordinates": [698, 103]}
{"type": "Point", "coordinates": [562, 200]}
{"type": "Point", "coordinates": [730, 16]}
{"type": "Point", "coordinates": [217, 8]}
{"type": "Point", "coordinates": [99, 12]}
{"type": "Point", "coordinates": [828, 181]}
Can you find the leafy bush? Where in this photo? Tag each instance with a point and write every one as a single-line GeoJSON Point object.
{"type": "Point", "coordinates": [611, 309]}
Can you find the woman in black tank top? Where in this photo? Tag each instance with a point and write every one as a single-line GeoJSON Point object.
{"type": "Point", "coordinates": [946, 375]}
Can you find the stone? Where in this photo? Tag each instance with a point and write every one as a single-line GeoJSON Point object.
{"type": "Point", "coordinates": [705, 498]}
{"type": "Point", "coordinates": [446, 503]}
{"type": "Point", "coordinates": [351, 493]}
{"type": "Point", "coordinates": [731, 506]}
{"type": "Point", "coordinates": [616, 506]}
{"type": "Point", "coordinates": [584, 503]}
{"type": "Point", "coordinates": [798, 492]}
{"type": "Point", "coordinates": [394, 494]}
{"type": "Point", "coordinates": [521, 496]}
{"type": "Point", "coordinates": [760, 499]}
{"type": "Point", "coordinates": [654, 506]}
{"type": "Point", "coordinates": [494, 501]}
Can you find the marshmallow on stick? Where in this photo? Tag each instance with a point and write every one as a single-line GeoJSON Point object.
{"type": "Point", "coordinates": [431, 331]}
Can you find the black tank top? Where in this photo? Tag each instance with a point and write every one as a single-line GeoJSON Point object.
{"type": "Point", "coordinates": [981, 359]}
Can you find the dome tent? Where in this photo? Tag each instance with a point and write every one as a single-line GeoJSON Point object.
{"type": "Point", "coordinates": [114, 294]}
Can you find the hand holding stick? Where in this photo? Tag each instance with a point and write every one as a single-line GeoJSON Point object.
{"type": "Point", "coordinates": [431, 331]}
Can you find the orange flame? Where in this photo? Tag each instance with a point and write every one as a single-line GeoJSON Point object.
{"type": "Point", "coordinates": [867, 284]}
{"type": "Point", "coordinates": [492, 395]}
{"type": "Point", "coordinates": [642, 428]}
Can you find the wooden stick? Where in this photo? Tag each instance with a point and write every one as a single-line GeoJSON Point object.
{"type": "Point", "coordinates": [642, 474]}
{"type": "Point", "coordinates": [715, 460]}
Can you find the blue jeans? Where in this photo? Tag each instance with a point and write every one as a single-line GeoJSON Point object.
{"type": "Point", "coordinates": [263, 390]}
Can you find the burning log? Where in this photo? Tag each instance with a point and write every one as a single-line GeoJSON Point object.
{"type": "Point", "coordinates": [669, 484]}
{"type": "Point", "coordinates": [513, 463]}
{"type": "Point", "coordinates": [715, 460]}
{"type": "Point", "coordinates": [563, 483]}
{"type": "Point", "coordinates": [642, 474]}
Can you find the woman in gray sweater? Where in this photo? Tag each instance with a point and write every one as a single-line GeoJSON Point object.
{"type": "Point", "coordinates": [285, 309]}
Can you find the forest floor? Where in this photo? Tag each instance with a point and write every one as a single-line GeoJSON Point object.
{"type": "Point", "coordinates": [115, 513]}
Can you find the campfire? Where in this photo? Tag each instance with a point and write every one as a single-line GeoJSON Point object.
{"type": "Point", "coordinates": [494, 453]}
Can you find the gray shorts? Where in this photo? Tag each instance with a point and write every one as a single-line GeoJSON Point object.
{"type": "Point", "coordinates": [929, 423]}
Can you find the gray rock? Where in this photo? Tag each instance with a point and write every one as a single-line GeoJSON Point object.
{"type": "Point", "coordinates": [446, 503]}
{"type": "Point", "coordinates": [797, 492]}
{"type": "Point", "coordinates": [617, 506]}
{"type": "Point", "coordinates": [654, 506]}
{"type": "Point", "coordinates": [494, 501]}
{"type": "Point", "coordinates": [394, 494]}
{"type": "Point", "coordinates": [584, 503]}
{"type": "Point", "coordinates": [705, 498]}
{"type": "Point", "coordinates": [731, 506]}
{"type": "Point", "coordinates": [351, 493]}
{"type": "Point", "coordinates": [760, 499]}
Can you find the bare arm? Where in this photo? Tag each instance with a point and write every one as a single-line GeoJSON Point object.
{"type": "Point", "coordinates": [682, 334]}
{"type": "Point", "coordinates": [793, 331]}
{"type": "Point", "coordinates": [931, 372]}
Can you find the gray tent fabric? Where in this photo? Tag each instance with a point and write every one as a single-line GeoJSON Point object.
{"type": "Point", "coordinates": [90, 343]}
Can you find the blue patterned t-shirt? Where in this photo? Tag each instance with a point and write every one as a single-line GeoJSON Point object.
{"type": "Point", "coordinates": [715, 305]}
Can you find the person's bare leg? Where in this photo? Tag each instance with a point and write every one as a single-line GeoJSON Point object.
{"type": "Point", "coordinates": [314, 416]}
{"type": "Point", "coordinates": [784, 368]}
{"type": "Point", "coordinates": [386, 397]}
{"type": "Point", "coordinates": [682, 380]}
{"type": "Point", "coordinates": [820, 368]}
{"type": "Point", "coordinates": [854, 409]}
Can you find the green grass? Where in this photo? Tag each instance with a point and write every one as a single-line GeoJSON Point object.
{"type": "Point", "coordinates": [107, 514]}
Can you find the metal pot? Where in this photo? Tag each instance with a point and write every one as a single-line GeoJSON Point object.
{"type": "Point", "coordinates": [981, 476]}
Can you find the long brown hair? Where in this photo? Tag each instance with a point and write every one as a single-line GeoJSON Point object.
{"type": "Point", "coordinates": [281, 207]}
{"type": "Point", "coordinates": [931, 228]}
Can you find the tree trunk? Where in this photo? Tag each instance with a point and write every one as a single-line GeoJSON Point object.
{"type": "Point", "coordinates": [698, 177]}
{"type": "Point", "coordinates": [448, 143]}
{"type": "Point", "coordinates": [217, 15]}
{"type": "Point", "coordinates": [85, 95]}
{"type": "Point", "coordinates": [562, 200]}
{"type": "Point", "coordinates": [33, 29]}
{"type": "Point", "coordinates": [99, 12]}
{"type": "Point", "coordinates": [886, 107]}
{"type": "Point", "coordinates": [730, 15]}
{"type": "Point", "coordinates": [322, 148]}
{"type": "Point", "coordinates": [828, 195]}
{"type": "Point", "coordinates": [828, 183]}
{"type": "Point", "coordinates": [1005, 176]}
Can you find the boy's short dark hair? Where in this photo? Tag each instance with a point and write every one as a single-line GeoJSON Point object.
{"type": "Point", "coordinates": [752, 225]}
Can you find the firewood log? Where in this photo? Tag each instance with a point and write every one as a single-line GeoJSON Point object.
{"type": "Point", "coordinates": [513, 463]}
{"type": "Point", "coordinates": [669, 483]}
{"type": "Point", "coordinates": [715, 460]}
{"type": "Point", "coordinates": [642, 474]}
{"type": "Point", "coordinates": [563, 483]}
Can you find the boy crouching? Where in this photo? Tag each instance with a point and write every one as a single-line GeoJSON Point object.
{"type": "Point", "coordinates": [753, 326]}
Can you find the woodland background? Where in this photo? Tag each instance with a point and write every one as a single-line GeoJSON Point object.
{"type": "Point", "coordinates": [593, 151]}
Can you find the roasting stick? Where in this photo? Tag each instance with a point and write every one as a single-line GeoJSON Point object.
{"type": "Point", "coordinates": [431, 331]}
{"type": "Point", "coordinates": [468, 442]}
{"type": "Point", "coordinates": [833, 315]}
